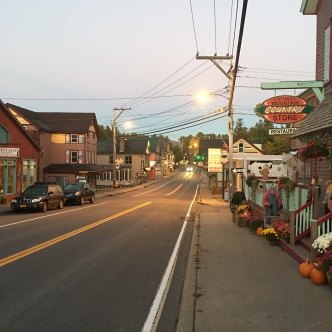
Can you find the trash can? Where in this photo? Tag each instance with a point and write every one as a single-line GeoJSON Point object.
{"type": "Point", "coordinates": [226, 195]}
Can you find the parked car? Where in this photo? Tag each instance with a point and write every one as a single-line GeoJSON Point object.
{"type": "Point", "coordinates": [40, 196]}
{"type": "Point", "coordinates": [78, 193]}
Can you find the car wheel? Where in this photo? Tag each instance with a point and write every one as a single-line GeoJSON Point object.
{"type": "Point", "coordinates": [92, 199]}
{"type": "Point", "coordinates": [60, 206]}
{"type": "Point", "coordinates": [81, 201]}
{"type": "Point", "coordinates": [45, 207]}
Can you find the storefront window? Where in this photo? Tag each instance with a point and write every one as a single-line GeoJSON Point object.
{"type": "Point", "coordinates": [29, 173]}
{"type": "Point", "coordinates": [7, 176]}
{"type": "Point", "coordinates": [11, 185]}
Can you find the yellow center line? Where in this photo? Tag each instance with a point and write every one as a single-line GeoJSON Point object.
{"type": "Point", "coordinates": [175, 190]}
{"type": "Point", "coordinates": [43, 245]}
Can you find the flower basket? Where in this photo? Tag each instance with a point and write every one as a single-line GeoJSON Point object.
{"type": "Point", "coordinates": [286, 183]}
{"type": "Point", "coordinates": [314, 150]}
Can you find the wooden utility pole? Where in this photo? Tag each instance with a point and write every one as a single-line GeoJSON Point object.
{"type": "Point", "coordinates": [230, 75]}
{"type": "Point", "coordinates": [114, 140]}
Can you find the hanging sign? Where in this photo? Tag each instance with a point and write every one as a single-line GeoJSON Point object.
{"type": "Point", "coordinates": [284, 109]}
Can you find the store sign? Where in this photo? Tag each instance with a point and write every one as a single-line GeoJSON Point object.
{"type": "Point", "coordinates": [282, 131]}
{"type": "Point", "coordinates": [214, 160]}
{"type": "Point", "coordinates": [9, 152]}
{"type": "Point", "coordinates": [284, 109]}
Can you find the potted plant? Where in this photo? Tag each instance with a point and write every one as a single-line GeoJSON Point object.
{"type": "Point", "coordinates": [254, 224]}
{"type": "Point", "coordinates": [271, 235]}
{"type": "Point", "coordinates": [286, 183]}
{"type": "Point", "coordinates": [283, 230]}
{"type": "Point", "coordinates": [237, 199]}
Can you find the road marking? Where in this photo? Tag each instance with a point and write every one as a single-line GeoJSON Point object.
{"type": "Point", "coordinates": [175, 190]}
{"type": "Point", "coordinates": [51, 215]}
{"type": "Point", "coordinates": [146, 192]}
{"type": "Point", "coordinates": [151, 322]}
{"type": "Point", "coordinates": [43, 245]}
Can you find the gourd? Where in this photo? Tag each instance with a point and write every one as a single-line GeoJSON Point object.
{"type": "Point", "coordinates": [259, 230]}
{"type": "Point", "coordinates": [305, 268]}
{"type": "Point", "coordinates": [317, 276]}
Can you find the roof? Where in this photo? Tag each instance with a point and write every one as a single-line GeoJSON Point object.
{"type": "Point", "coordinates": [58, 122]}
{"type": "Point", "coordinates": [309, 7]}
{"type": "Point", "coordinates": [75, 168]}
{"type": "Point", "coordinates": [133, 145]}
{"type": "Point", "coordinates": [4, 108]}
{"type": "Point", "coordinates": [320, 120]}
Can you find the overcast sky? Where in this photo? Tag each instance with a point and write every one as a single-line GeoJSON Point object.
{"type": "Point", "coordinates": [97, 55]}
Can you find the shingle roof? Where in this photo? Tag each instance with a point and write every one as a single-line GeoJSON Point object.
{"type": "Point", "coordinates": [319, 120]}
{"type": "Point", "coordinates": [133, 145]}
{"type": "Point", "coordinates": [58, 122]}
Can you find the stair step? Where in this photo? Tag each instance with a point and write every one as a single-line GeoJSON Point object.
{"type": "Point", "coordinates": [299, 253]}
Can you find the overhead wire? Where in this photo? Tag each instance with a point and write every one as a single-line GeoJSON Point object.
{"type": "Point", "coordinates": [193, 22]}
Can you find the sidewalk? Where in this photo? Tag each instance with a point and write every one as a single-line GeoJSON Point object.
{"type": "Point", "coordinates": [236, 281]}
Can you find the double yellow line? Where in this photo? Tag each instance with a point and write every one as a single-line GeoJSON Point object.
{"type": "Point", "coordinates": [43, 245]}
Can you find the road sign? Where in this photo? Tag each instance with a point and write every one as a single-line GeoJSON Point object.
{"type": "Point", "coordinates": [237, 170]}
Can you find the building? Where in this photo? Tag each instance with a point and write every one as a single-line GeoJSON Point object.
{"type": "Point", "coordinates": [19, 156]}
{"type": "Point", "coordinates": [317, 128]}
{"type": "Point", "coordinates": [68, 144]}
{"type": "Point", "coordinates": [132, 159]}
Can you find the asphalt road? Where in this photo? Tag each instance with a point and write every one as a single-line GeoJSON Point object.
{"type": "Point", "coordinates": [97, 267]}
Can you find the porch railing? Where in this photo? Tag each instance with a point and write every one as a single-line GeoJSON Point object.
{"type": "Point", "coordinates": [300, 222]}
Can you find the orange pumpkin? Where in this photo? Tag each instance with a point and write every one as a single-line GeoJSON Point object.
{"type": "Point", "coordinates": [317, 276]}
{"type": "Point", "coordinates": [259, 230]}
{"type": "Point", "coordinates": [305, 268]}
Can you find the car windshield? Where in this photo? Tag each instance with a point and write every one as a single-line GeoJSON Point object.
{"type": "Point", "coordinates": [42, 190]}
{"type": "Point", "coordinates": [73, 186]}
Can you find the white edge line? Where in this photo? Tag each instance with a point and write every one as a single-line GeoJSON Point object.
{"type": "Point", "coordinates": [151, 321]}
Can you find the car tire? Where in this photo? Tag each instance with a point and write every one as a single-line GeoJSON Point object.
{"type": "Point", "coordinates": [60, 206]}
{"type": "Point", "coordinates": [44, 207]}
{"type": "Point", "coordinates": [81, 200]}
{"type": "Point", "coordinates": [92, 199]}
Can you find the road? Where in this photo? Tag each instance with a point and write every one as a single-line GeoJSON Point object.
{"type": "Point", "coordinates": [98, 267]}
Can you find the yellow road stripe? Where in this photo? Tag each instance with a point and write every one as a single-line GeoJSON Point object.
{"type": "Point", "coordinates": [43, 245]}
{"type": "Point", "coordinates": [175, 190]}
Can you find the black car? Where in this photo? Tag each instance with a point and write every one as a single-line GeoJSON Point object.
{"type": "Point", "coordinates": [78, 193]}
{"type": "Point", "coordinates": [40, 196]}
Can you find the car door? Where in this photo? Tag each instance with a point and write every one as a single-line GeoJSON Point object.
{"type": "Point", "coordinates": [53, 197]}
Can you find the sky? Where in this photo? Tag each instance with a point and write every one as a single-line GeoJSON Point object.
{"type": "Point", "coordinates": [103, 55]}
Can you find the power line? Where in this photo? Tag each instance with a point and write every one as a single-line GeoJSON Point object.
{"type": "Point", "coordinates": [193, 21]}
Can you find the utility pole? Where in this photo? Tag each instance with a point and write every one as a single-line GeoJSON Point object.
{"type": "Point", "coordinates": [231, 74]}
{"type": "Point", "coordinates": [114, 140]}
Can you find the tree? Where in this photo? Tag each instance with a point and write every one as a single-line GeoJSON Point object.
{"type": "Point", "coordinates": [280, 144]}
{"type": "Point", "coordinates": [240, 131]}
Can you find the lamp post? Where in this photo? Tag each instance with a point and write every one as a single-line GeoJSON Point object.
{"type": "Point", "coordinates": [114, 140]}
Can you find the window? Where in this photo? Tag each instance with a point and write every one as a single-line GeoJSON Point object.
{"type": "Point", "coordinates": [327, 54]}
{"type": "Point", "coordinates": [74, 138]}
{"type": "Point", "coordinates": [4, 136]}
{"type": "Point", "coordinates": [128, 160]}
{"type": "Point", "coordinates": [29, 173]}
{"type": "Point", "coordinates": [241, 147]}
{"type": "Point", "coordinates": [74, 157]}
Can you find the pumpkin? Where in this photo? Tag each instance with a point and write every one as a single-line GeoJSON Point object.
{"type": "Point", "coordinates": [317, 276]}
{"type": "Point", "coordinates": [259, 230]}
{"type": "Point", "coordinates": [305, 268]}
